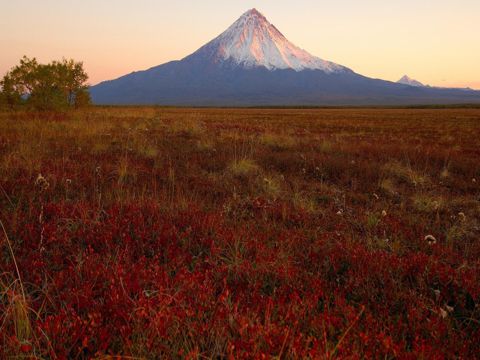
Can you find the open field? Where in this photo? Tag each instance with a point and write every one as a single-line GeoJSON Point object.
{"type": "Point", "coordinates": [221, 233]}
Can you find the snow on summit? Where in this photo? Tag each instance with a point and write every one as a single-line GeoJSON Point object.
{"type": "Point", "coordinates": [252, 41]}
{"type": "Point", "coordinates": [405, 80]}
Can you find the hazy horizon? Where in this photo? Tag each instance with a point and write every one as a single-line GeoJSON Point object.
{"type": "Point", "coordinates": [433, 42]}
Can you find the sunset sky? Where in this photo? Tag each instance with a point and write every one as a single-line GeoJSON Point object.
{"type": "Point", "coordinates": [434, 41]}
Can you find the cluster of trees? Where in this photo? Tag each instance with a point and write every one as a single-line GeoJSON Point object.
{"type": "Point", "coordinates": [46, 87]}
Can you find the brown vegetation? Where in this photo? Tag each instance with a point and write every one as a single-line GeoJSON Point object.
{"type": "Point", "coordinates": [207, 233]}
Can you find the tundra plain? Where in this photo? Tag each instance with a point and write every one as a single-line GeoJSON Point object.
{"type": "Point", "coordinates": [149, 232]}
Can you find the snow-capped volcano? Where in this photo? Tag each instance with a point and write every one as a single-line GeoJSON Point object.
{"type": "Point", "coordinates": [406, 80]}
{"type": "Point", "coordinates": [252, 41]}
{"type": "Point", "coordinates": [252, 63]}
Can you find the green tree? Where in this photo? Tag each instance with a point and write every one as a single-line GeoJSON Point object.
{"type": "Point", "coordinates": [47, 93]}
{"type": "Point", "coordinates": [82, 98]}
{"type": "Point", "coordinates": [55, 86]}
{"type": "Point", "coordinates": [72, 78]}
{"type": "Point", "coordinates": [9, 96]}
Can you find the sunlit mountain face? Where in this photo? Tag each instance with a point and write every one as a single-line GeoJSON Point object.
{"type": "Point", "coordinates": [252, 41]}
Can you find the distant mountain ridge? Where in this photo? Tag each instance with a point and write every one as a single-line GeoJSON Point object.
{"type": "Point", "coordinates": [405, 80]}
{"type": "Point", "coordinates": [252, 63]}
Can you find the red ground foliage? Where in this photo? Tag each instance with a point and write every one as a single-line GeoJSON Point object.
{"type": "Point", "coordinates": [183, 233]}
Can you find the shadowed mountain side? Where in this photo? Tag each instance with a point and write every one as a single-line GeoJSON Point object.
{"type": "Point", "coordinates": [189, 82]}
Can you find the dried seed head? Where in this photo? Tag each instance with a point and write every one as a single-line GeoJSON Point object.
{"type": "Point", "coordinates": [41, 183]}
{"type": "Point", "coordinates": [443, 313]}
{"type": "Point", "coordinates": [431, 239]}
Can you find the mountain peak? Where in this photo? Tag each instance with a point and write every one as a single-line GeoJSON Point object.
{"type": "Point", "coordinates": [251, 19]}
{"type": "Point", "coordinates": [406, 80]}
{"type": "Point", "coordinates": [252, 41]}
{"type": "Point", "coordinates": [253, 12]}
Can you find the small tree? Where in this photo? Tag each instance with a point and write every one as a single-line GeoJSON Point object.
{"type": "Point", "coordinates": [82, 98]}
{"type": "Point", "coordinates": [47, 93]}
{"type": "Point", "coordinates": [9, 96]}
{"type": "Point", "coordinates": [54, 86]}
{"type": "Point", "coordinates": [72, 78]}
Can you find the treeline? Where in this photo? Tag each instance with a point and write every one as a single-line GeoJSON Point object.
{"type": "Point", "coordinates": [56, 86]}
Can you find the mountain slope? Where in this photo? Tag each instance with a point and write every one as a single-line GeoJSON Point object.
{"type": "Point", "coordinates": [252, 41]}
{"type": "Point", "coordinates": [252, 63]}
{"type": "Point", "coordinates": [406, 80]}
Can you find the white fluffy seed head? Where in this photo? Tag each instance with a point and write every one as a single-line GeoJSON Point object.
{"type": "Point", "coordinates": [431, 239]}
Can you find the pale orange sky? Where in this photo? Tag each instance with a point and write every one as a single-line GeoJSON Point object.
{"type": "Point", "coordinates": [434, 41]}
